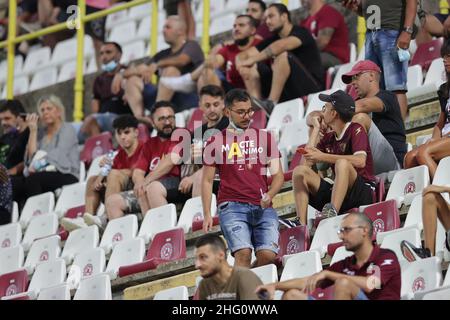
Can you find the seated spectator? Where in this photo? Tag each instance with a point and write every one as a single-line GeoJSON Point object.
{"type": "Point", "coordinates": [328, 27]}
{"type": "Point", "coordinates": [372, 273]}
{"type": "Point", "coordinates": [52, 159]}
{"type": "Point", "coordinates": [117, 180]}
{"type": "Point", "coordinates": [182, 57]}
{"type": "Point", "coordinates": [244, 29]}
{"type": "Point", "coordinates": [346, 148]}
{"type": "Point", "coordinates": [6, 202]}
{"type": "Point", "coordinates": [438, 146]}
{"type": "Point", "coordinates": [296, 69]}
{"type": "Point", "coordinates": [107, 103]}
{"type": "Point", "coordinates": [434, 207]}
{"type": "Point", "coordinates": [156, 179]}
{"type": "Point", "coordinates": [242, 156]}
{"type": "Point", "coordinates": [14, 140]}
{"type": "Point", "coordinates": [257, 9]}
{"type": "Point", "coordinates": [183, 9]}
{"type": "Point", "coordinates": [220, 280]}
{"type": "Point", "coordinates": [386, 129]}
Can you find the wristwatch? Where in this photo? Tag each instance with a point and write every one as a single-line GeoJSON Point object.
{"type": "Point", "coordinates": [409, 30]}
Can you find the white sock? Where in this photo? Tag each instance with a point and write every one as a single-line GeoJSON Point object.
{"type": "Point", "coordinates": [182, 83]}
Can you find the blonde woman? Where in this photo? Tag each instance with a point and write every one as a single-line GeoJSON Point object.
{"type": "Point", "coordinates": [52, 159]}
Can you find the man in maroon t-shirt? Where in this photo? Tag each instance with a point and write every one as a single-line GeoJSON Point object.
{"type": "Point", "coordinates": [372, 273]}
{"type": "Point", "coordinates": [155, 179]}
{"type": "Point", "coordinates": [107, 183]}
{"type": "Point", "coordinates": [328, 27]}
{"type": "Point", "coordinates": [346, 148]}
{"type": "Point", "coordinates": [257, 9]}
{"type": "Point", "coordinates": [242, 157]}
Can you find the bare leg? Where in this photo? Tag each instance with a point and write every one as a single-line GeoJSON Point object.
{"type": "Point", "coordinates": [243, 258]}
{"type": "Point", "coordinates": [163, 92]}
{"type": "Point", "coordinates": [134, 88]}
{"type": "Point", "coordinates": [185, 12]}
{"type": "Point", "coordinates": [345, 178]}
{"type": "Point", "coordinates": [97, 46]}
{"type": "Point", "coordinates": [156, 195]}
{"type": "Point", "coordinates": [264, 257]}
{"type": "Point", "coordinates": [116, 182]}
{"type": "Point", "coordinates": [208, 77]}
{"type": "Point", "coordinates": [305, 181]}
{"type": "Point", "coordinates": [434, 206]}
{"type": "Point", "coordinates": [45, 10]}
{"type": "Point", "coordinates": [92, 197]}
{"type": "Point", "coordinates": [252, 81]}
{"type": "Point", "coordinates": [433, 151]}
{"type": "Point", "coordinates": [115, 206]}
{"type": "Point", "coordinates": [345, 289]}
{"type": "Point", "coordinates": [410, 160]}
{"type": "Point", "coordinates": [403, 102]}
{"type": "Point", "coordinates": [281, 71]}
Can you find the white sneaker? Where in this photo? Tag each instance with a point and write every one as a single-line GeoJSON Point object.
{"type": "Point", "coordinates": [73, 224]}
{"type": "Point", "coordinates": [90, 220]}
{"type": "Point", "coordinates": [183, 83]}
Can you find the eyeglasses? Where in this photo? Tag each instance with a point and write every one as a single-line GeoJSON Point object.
{"type": "Point", "coordinates": [346, 230]}
{"type": "Point", "coordinates": [243, 113]}
{"type": "Point", "coordinates": [168, 118]}
{"type": "Point", "coordinates": [446, 56]}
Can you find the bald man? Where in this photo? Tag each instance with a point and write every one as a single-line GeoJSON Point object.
{"type": "Point", "coordinates": [183, 56]}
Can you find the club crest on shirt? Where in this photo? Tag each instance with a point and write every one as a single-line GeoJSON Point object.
{"type": "Point", "coordinates": [154, 163]}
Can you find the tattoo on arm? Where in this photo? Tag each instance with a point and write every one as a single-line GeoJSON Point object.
{"type": "Point", "coordinates": [326, 32]}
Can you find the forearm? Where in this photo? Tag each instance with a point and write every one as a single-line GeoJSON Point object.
{"type": "Point", "coordinates": [277, 183]}
{"type": "Point", "coordinates": [138, 176]}
{"type": "Point", "coordinates": [18, 169]}
{"type": "Point", "coordinates": [355, 160]}
{"type": "Point", "coordinates": [207, 186]}
{"type": "Point", "coordinates": [32, 144]}
{"type": "Point", "coordinates": [298, 284]}
{"type": "Point", "coordinates": [359, 281]}
{"type": "Point", "coordinates": [410, 15]}
{"type": "Point", "coordinates": [437, 133]}
{"type": "Point", "coordinates": [314, 137]}
{"type": "Point", "coordinates": [95, 106]}
{"type": "Point", "coordinates": [159, 172]}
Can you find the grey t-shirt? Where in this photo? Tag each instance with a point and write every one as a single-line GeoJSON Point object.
{"type": "Point", "coordinates": [384, 14]}
{"type": "Point", "coordinates": [240, 286]}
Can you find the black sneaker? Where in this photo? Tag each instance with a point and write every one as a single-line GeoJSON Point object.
{"type": "Point", "coordinates": [447, 240]}
{"type": "Point", "coordinates": [265, 105]}
{"type": "Point", "coordinates": [290, 223]}
{"type": "Point", "coordinates": [412, 253]}
{"type": "Point", "coordinates": [328, 211]}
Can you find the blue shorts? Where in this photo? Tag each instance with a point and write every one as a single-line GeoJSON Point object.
{"type": "Point", "coordinates": [381, 48]}
{"type": "Point", "coordinates": [247, 226]}
{"type": "Point", "coordinates": [105, 120]}
{"type": "Point", "coordinates": [361, 296]}
{"type": "Point", "coordinates": [183, 101]}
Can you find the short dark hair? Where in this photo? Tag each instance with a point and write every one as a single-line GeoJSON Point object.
{"type": "Point", "coordinates": [252, 21]}
{"type": "Point", "coordinates": [261, 3]}
{"type": "Point", "coordinates": [281, 8]}
{"type": "Point", "coordinates": [363, 219]}
{"type": "Point", "coordinates": [162, 104]}
{"type": "Point", "coordinates": [213, 240]}
{"type": "Point", "coordinates": [115, 44]}
{"type": "Point", "coordinates": [345, 116]}
{"type": "Point", "coordinates": [125, 121]}
{"type": "Point", "coordinates": [239, 95]}
{"type": "Point", "coordinates": [14, 106]}
{"type": "Point", "coordinates": [213, 91]}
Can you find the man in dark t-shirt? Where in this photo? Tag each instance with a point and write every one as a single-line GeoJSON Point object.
{"type": "Point", "coordinates": [346, 148]}
{"type": "Point", "coordinates": [296, 68]}
{"type": "Point", "coordinates": [372, 273]}
{"type": "Point", "coordinates": [107, 103]}
{"type": "Point", "coordinates": [257, 9]}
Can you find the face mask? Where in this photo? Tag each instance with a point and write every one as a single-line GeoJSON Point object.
{"type": "Point", "coordinates": [403, 55]}
{"type": "Point", "coordinates": [236, 128]}
{"type": "Point", "coordinates": [110, 66]}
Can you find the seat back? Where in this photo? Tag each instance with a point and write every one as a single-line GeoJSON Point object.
{"type": "Point", "coordinates": [436, 74]}
{"type": "Point", "coordinates": [79, 241]}
{"type": "Point", "coordinates": [46, 249]}
{"type": "Point", "coordinates": [177, 293]}
{"type": "Point", "coordinates": [259, 120]}
{"type": "Point", "coordinates": [168, 245]}
{"type": "Point", "coordinates": [196, 120]}
{"type": "Point", "coordinates": [133, 51]}
{"type": "Point", "coordinates": [409, 181]}
{"type": "Point", "coordinates": [392, 240]}
{"type": "Point", "coordinates": [301, 265]}
{"type": "Point", "coordinates": [293, 135]}
{"type": "Point", "coordinates": [267, 274]}
{"type": "Point", "coordinates": [37, 59]}
{"type": "Point", "coordinates": [442, 175]}
{"type": "Point", "coordinates": [13, 283]}
{"type": "Point", "coordinates": [340, 254]}
{"type": "Point", "coordinates": [384, 216]}
{"type": "Point", "coordinates": [326, 234]}
{"type": "Point", "coordinates": [94, 288]}
{"type": "Point", "coordinates": [75, 212]}
{"type": "Point", "coordinates": [125, 253]}
{"type": "Point", "coordinates": [35, 206]}
{"type": "Point", "coordinates": [71, 196]}
{"type": "Point", "coordinates": [193, 210]}
{"type": "Point", "coordinates": [343, 69]}
{"type": "Point", "coordinates": [293, 240]}
{"type": "Point", "coordinates": [421, 275]}
{"type": "Point", "coordinates": [415, 77]}
{"type": "Point", "coordinates": [96, 146]}
{"type": "Point", "coordinates": [118, 230]}
{"type": "Point", "coordinates": [40, 227]}
{"type": "Point", "coordinates": [441, 294]}
{"type": "Point", "coordinates": [61, 292]}
{"type": "Point", "coordinates": [426, 53]}
{"type": "Point", "coordinates": [10, 235]}
{"type": "Point", "coordinates": [11, 259]}
{"type": "Point", "coordinates": [285, 113]}
{"type": "Point", "coordinates": [44, 78]}
{"type": "Point", "coordinates": [158, 220]}
{"type": "Point", "coordinates": [123, 33]}
{"type": "Point", "coordinates": [314, 103]}
{"type": "Point", "coordinates": [48, 274]}
{"type": "Point", "coordinates": [91, 262]}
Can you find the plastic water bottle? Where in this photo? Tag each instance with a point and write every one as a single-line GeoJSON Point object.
{"type": "Point", "coordinates": [108, 165]}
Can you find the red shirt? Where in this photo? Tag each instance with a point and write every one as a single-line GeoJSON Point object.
{"type": "Point", "coordinates": [229, 53]}
{"type": "Point", "coordinates": [123, 161]}
{"type": "Point", "coordinates": [263, 31]}
{"type": "Point", "coordinates": [382, 263]}
{"type": "Point", "coordinates": [152, 153]}
{"type": "Point", "coordinates": [242, 163]}
{"type": "Point", "coordinates": [352, 141]}
{"type": "Point", "coordinates": [329, 17]}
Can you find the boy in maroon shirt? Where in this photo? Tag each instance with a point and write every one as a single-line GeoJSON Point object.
{"type": "Point", "coordinates": [242, 157]}
{"type": "Point", "coordinates": [372, 273]}
{"type": "Point", "coordinates": [100, 187]}
{"type": "Point", "coordinates": [346, 148]}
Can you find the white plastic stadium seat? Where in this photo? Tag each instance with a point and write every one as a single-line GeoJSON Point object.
{"type": "Point", "coordinates": [59, 292]}
{"type": "Point", "coordinates": [314, 103]}
{"type": "Point", "coordinates": [10, 235]}
{"type": "Point", "coordinates": [423, 139]}
{"type": "Point", "coordinates": [326, 234]}
{"type": "Point", "coordinates": [68, 71]}
{"type": "Point", "coordinates": [415, 77]}
{"type": "Point", "coordinates": [157, 220]}
{"type": "Point", "coordinates": [15, 213]}
{"type": "Point", "coordinates": [21, 86]}
{"type": "Point", "coordinates": [123, 33]}
{"type": "Point", "coordinates": [395, 237]}
{"type": "Point", "coordinates": [442, 175]}
{"type": "Point", "coordinates": [353, 52]}
{"type": "Point", "coordinates": [222, 24]}
{"type": "Point", "coordinates": [46, 249]}
{"type": "Point", "coordinates": [133, 51]}
{"type": "Point", "coordinates": [125, 253]}
{"type": "Point", "coordinates": [44, 78]}
{"type": "Point", "coordinates": [293, 135]}
{"type": "Point", "coordinates": [301, 265]}
{"type": "Point", "coordinates": [36, 206]}
{"type": "Point", "coordinates": [436, 73]}
{"type": "Point", "coordinates": [91, 262]}
{"type": "Point", "coordinates": [94, 288]}
{"type": "Point", "coordinates": [439, 294]}
{"type": "Point", "coordinates": [139, 12]}
{"type": "Point", "coordinates": [18, 64]}
{"type": "Point", "coordinates": [340, 254]}
{"type": "Point", "coordinates": [37, 59]}
{"type": "Point", "coordinates": [66, 51]}
{"type": "Point", "coordinates": [267, 274]}
{"type": "Point", "coordinates": [407, 184]}
{"type": "Point", "coordinates": [193, 209]}
{"type": "Point", "coordinates": [343, 68]}
{"type": "Point", "coordinates": [116, 18]}
{"type": "Point", "coordinates": [80, 240]}
{"type": "Point", "coordinates": [40, 227]}
{"type": "Point", "coordinates": [119, 230]}
{"type": "Point", "coordinates": [285, 113]}
{"type": "Point", "coordinates": [11, 259]}
{"type": "Point", "coordinates": [177, 293]}
{"type": "Point", "coordinates": [71, 196]}
{"type": "Point", "coordinates": [421, 275]}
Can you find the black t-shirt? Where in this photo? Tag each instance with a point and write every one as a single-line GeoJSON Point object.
{"type": "Point", "coordinates": [390, 123]}
{"type": "Point", "coordinates": [109, 102]}
{"type": "Point", "coordinates": [307, 53]}
{"type": "Point", "coordinates": [206, 132]}
{"type": "Point", "coordinates": [444, 101]}
{"type": "Point", "coordinates": [12, 148]}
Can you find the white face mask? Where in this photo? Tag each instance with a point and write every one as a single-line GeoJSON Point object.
{"type": "Point", "coordinates": [236, 128]}
{"type": "Point", "coordinates": [110, 66]}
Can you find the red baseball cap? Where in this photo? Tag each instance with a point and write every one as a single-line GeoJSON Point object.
{"type": "Point", "coordinates": [361, 66]}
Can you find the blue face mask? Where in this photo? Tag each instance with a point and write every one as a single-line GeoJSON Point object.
{"type": "Point", "coordinates": [110, 66]}
{"type": "Point", "coordinates": [403, 55]}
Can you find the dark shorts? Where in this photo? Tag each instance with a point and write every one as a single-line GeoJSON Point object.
{"type": "Point", "coordinates": [362, 193]}
{"type": "Point", "coordinates": [95, 28]}
{"type": "Point", "coordinates": [300, 82]}
{"type": "Point", "coordinates": [183, 101]}
{"type": "Point", "coordinates": [441, 17]}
